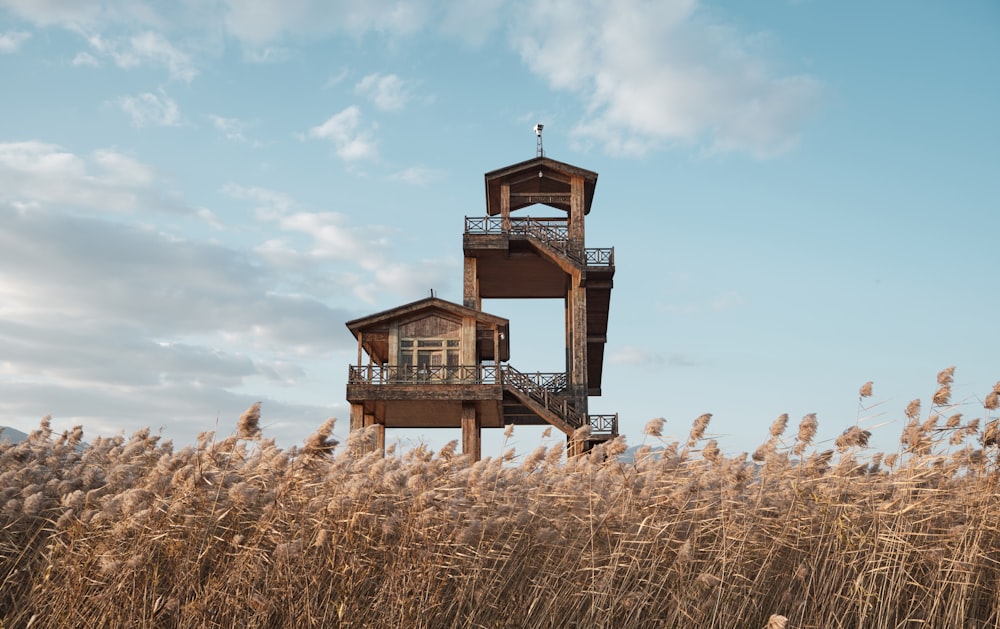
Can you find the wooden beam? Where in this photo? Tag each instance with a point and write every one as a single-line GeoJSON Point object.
{"type": "Point", "coordinates": [377, 440]}
{"type": "Point", "coordinates": [577, 299]}
{"type": "Point", "coordinates": [357, 416]}
{"type": "Point", "coordinates": [547, 198]}
{"type": "Point", "coordinates": [575, 448]}
{"type": "Point", "coordinates": [505, 206]}
{"type": "Point", "coordinates": [471, 431]}
{"type": "Point", "coordinates": [470, 298]}
{"type": "Point", "coordinates": [577, 209]}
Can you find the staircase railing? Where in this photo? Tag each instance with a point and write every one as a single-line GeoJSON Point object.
{"type": "Point", "coordinates": [547, 389]}
{"type": "Point", "coordinates": [553, 233]}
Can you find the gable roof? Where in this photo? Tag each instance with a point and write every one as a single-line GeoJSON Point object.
{"type": "Point", "coordinates": [373, 330]}
{"type": "Point", "coordinates": [542, 176]}
{"type": "Point", "coordinates": [428, 303]}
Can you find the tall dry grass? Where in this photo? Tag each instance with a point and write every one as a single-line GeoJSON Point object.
{"type": "Point", "coordinates": [238, 532]}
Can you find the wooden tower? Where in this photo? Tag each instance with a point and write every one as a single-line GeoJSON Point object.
{"type": "Point", "coordinates": [433, 363]}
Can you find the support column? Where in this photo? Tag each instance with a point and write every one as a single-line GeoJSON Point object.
{"type": "Point", "coordinates": [360, 420]}
{"type": "Point", "coordinates": [577, 336]}
{"type": "Point", "coordinates": [471, 286]}
{"type": "Point", "coordinates": [505, 207]}
{"type": "Point", "coordinates": [377, 440]}
{"type": "Point", "coordinates": [471, 431]}
{"type": "Point", "coordinates": [576, 214]}
{"type": "Point", "coordinates": [357, 416]}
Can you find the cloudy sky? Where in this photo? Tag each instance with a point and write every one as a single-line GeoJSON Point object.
{"type": "Point", "coordinates": [803, 195]}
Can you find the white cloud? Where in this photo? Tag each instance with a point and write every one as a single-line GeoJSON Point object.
{"type": "Point", "coordinates": [155, 47]}
{"type": "Point", "coordinates": [146, 48]}
{"type": "Point", "coordinates": [268, 54]}
{"type": "Point", "coordinates": [47, 12]}
{"type": "Point", "coordinates": [272, 204]}
{"type": "Point", "coordinates": [85, 59]}
{"type": "Point", "coordinates": [418, 175]}
{"type": "Point", "coordinates": [10, 41]}
{"type": "Point", "coordinates": [232, 129]}
{"type": "Point", "coordinates": [653, 74]}
{"type": "Point", "coordinates": [36, 174]}
{"type": "Point", "coordinates": [351, 140]}
{"type": "Point", "coordinates": [335, 79]}
{"type": "Point", "coordinates": [352, 258]}
{"type": "Point", "coordinates": [387, 91]}
{"type": "Point", "coordinates": [258, 22]}
{"type": "Point", "coordinates": [118, 288]}
{"type": "Point", "coordinates": [148, 109]}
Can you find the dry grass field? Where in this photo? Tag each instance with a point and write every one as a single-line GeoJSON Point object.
{"type": "Point", "coordinates": [237, 532]}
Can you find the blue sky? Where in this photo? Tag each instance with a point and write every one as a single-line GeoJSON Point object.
{"type": "Point", "coordinates": [195, 196]}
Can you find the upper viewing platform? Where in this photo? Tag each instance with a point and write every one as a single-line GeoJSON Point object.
{"type": "Point", "coordinates": [538, 180]}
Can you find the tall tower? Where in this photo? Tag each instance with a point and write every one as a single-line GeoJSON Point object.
{"type": "Point", "coordinates": [546, 257]}
{"type": "Point", "coordinates": [433, 363]}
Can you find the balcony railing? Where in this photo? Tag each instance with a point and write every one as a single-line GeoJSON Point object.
{"type": "Point", "coordinates": [548, 390]}
{"type": "Point", "coordinates": [600, 257]}
{"type": "Point", "coordinates": [552, 232]}
{"type": "Point", "coordinates": [601, 425]}
{"type": "Point", "coordinates": [437, 374]}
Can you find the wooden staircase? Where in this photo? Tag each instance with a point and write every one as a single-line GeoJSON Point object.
{"type": "Point", "coordinates": [539, 399]}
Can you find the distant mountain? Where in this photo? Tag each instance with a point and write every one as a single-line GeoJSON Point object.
{"type": "Point", "coordinates": [628, 456]}
{"type": "Point", "coordinates": [12, 435]}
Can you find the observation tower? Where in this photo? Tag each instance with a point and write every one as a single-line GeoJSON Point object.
{"type": "Point", "coordinates": [438, 364]}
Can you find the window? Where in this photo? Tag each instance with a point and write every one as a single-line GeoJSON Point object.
{"type": "Point", "coordinates": [429, 359]}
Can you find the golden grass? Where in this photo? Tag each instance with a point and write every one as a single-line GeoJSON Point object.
{"type": "Point", "coordinates": [238, 532]}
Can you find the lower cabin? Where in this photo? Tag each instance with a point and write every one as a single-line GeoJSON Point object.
{"type": "Point", "coordinates": [437, 364]}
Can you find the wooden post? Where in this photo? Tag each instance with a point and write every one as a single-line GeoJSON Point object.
{"type": "Point", "coordinates": [505, 207]}
{"type": "Point", "coordinates": [577, 338]}
{"type": "Point", "coordinates": [377, 440]}
{"type": "Point", "coordinates": [393, 344]}
{"type": "Point", "coordinates": [576, 210]}
{"type": "Point", "coordinates": [471, 431]}
{"type": "Point", "coordinates": [357, 416]}
{"type": "Point", "coordinates": [467, 342]}
{"type": "Point", "coordinates": [471, 286]}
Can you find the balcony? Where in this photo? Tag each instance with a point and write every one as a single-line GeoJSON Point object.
{"type": "Point", "coordinates": [544, 392]}
{"type": "Point", "coordinates": [435, 374]}
{"type": "Point", "coordinates": [603, 425]}
{"type": "Point", "coordinates": [552, 232]}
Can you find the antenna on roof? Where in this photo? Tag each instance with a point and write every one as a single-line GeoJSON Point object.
{"type": "Point", "coordinates": [539, 151]}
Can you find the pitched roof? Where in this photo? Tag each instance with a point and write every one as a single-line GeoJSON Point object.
{"type": "Point", "coordinates": [542, 176]}
{"type": "Point", "coordinates": [427, 303]}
